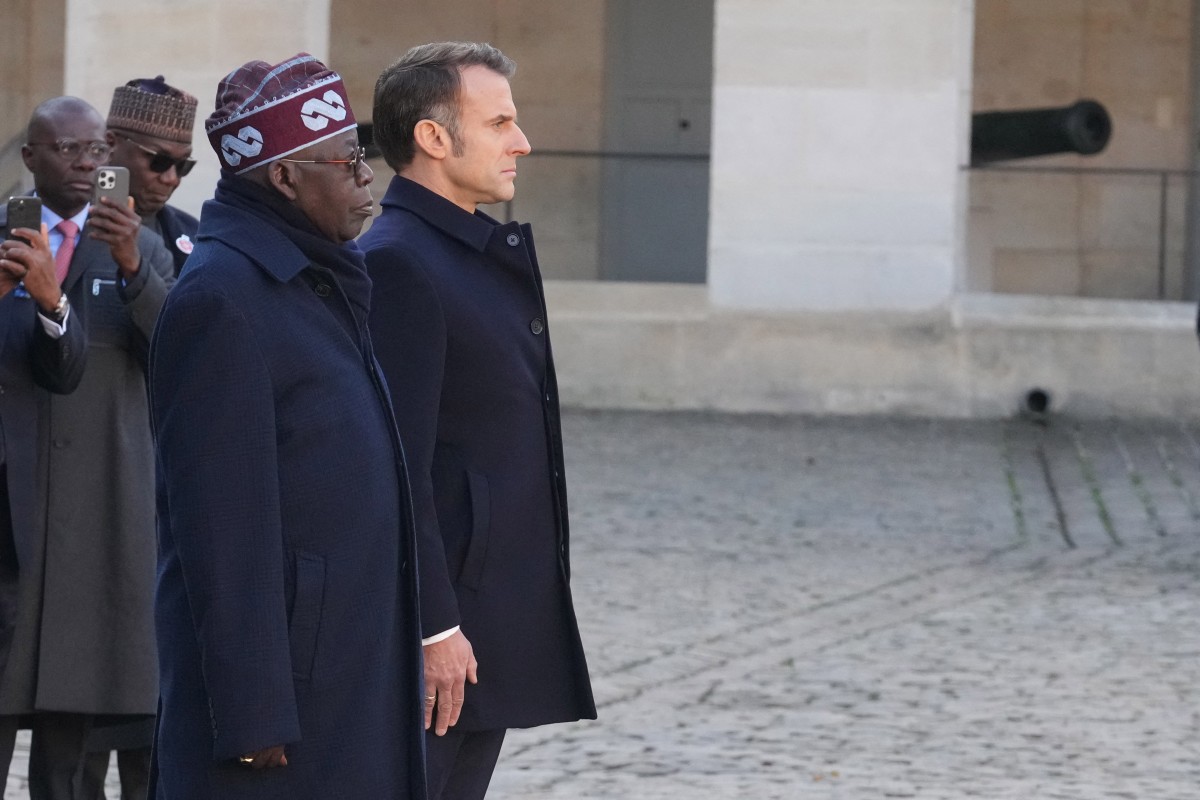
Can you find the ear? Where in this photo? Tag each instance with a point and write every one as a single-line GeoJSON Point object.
{"type": "Point", "coordinates": [282, 176]}
{"type": "Point", "coordinates": [432, 139]}
{"type": "Point", "coordinates": [111, 138]}
{"type": "Point", "coordinates": [27, 156]}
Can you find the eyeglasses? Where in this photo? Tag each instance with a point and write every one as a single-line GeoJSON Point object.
{"type": "Point", "coordinates": [160, 162]}
{"type": "Point", "coordinates": [359, 157]}
{"type": "Point", "coordinates": [71, 149]}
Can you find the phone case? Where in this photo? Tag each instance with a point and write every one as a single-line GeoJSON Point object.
{"type": "Point", "coordinates": [23, 212]}
{"type": "Point", "coordinates": [112, 182]}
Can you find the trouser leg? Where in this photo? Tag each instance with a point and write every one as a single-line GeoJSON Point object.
{"type": "Point", "coordinates": [134, 766]}
{"type": "Point", "coordinates": [55, 753]}
{"type": "Point", "coordinates": [8, 574]}
{"type": "Point", "coordinates": [460, 765]}
{"type": "Point", "coordinates": [92, 772]}
{"type": "Point", "coordinates": [8, 740]}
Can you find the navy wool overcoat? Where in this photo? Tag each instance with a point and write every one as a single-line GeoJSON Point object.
{"type": "Point", "coordinates": [286, 605]}
{"type": "Point", "coordinates": [459, 323]}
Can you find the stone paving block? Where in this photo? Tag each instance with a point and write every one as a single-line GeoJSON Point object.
{"type": "Point", "coordinates": [848, 608]}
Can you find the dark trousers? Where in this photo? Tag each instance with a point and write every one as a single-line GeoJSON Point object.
{"type": "Point", "coordinates": [460, 765]}
{"type": "Point", "coordinates": [132, 765]}
{"type": "Point", "coordinates": [55, 752]}
{"type": "Point", "coordinates": [8, 571]}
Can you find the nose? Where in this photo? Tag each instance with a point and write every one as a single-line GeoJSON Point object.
{"type": "Point", "coordinates": [521, 146]}
{"type": "Point", "coordinates": [365, 173]}
{"type": "Point", "coordinates": [88, 162]}
{"type": "Point", "coordinates": [170, 177]}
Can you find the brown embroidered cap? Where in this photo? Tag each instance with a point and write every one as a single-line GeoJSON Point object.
{"type": "Point", "coordinates": [152, 107]}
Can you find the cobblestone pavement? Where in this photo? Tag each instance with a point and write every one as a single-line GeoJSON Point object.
{"type": "Point", "coordinates": [792, 607]}
{"type": "Point", "coordinates": [870, 608]}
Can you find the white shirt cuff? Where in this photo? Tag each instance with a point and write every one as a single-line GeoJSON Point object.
{"type": "Point", "coordinates": [54, 330]}
{"type": "Point", "coordinates": [439, 637]}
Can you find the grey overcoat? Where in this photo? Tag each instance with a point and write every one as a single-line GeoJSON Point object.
{"type": "Point", "coordinates": [84, 638]}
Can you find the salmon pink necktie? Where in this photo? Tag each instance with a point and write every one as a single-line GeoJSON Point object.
{"type": "Point", "coordinates": [62, 259]}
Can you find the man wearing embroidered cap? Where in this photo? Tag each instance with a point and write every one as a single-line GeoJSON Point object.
{"type": "Point", "coordinates": [286, 609]}
{"type": "Point", "coordinates": [150, 131]}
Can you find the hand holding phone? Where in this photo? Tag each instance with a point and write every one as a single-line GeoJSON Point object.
{"type": "Point", "coordinates": [113, 183]}
{"type": "Point", "coordinates": [28, 261]}
{"type": "Point", "coordinates": [23, 212]}
{"type": "Point", "coordinates": [112, 219]}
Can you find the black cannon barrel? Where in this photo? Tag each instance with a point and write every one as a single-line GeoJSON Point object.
{"type": "Point", "coordinates": [1083, 128]}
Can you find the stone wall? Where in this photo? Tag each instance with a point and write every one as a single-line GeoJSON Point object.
{"type": "Point", "coordinates": [838, 133]}
{"type": "Point", "coordinates": [558, 89]}
{"type": "Point", "coordinates": [1095, 235]}
{"type": "Point", "coordinates": [31, 59]}
{"type": "Point", "coordinates": [193, 43]}
{"type": "Point", "coordinates": [667, 347]}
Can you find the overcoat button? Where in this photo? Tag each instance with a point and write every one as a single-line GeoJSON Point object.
{"type": "Point", "coordinates": [537, 326]}
{"type": "Point", "coordinates": [323, 290]}
{"type": "Point", "coordinates": [513, 240]}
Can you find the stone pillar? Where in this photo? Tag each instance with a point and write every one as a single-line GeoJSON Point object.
{"type": "Point", "coordinates": [839, 129]}
{"type": "Point", "coordinates": [1191, 253]}
{"type": "Point", "coordinates": [193, 43]}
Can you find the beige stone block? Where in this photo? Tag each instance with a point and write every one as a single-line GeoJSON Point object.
{"type": "Point", "coordinates": [769, 276]}
{"type": "Point", "coordinates": [873, 219]}
{"type": "Point", "coordinates": [879, 140]}
{"type": "Point", "coordinates": [806, 44]}
{"type": "Point", "coordinates": [573, 122]}
{"type": "Point", "coordinates": [1123, 274]}
{"type": "Point", "coordinates": [1139, 143]}
{"type": "Point", "coordinates": [1119, 212]}
{"type": "Point", "coordinates": [1028, 271]}
{"type": "Point", "coordinates": [564, 258]}
{"type": "Point", "coordinates": [831, 45]}
{"type": "Point", "coordinates": [1173, 274]}
{"type": "Point", "coordinates": [1131, 55]}
{"type": "Point", "coordinates": [775, 119]}
{"type": "Point", "coordinates": [560, 197]}
{"type": "Point", "coordinates": [558, 47]}
{"type": "Point", "coordinates": [1028, 210]}
{"type": "Point", "coordinates": [916, 46]}
{"type": "Point", "coordinates": [367, 35]}
{"type": "Point", "coordinates": [1028, 53]}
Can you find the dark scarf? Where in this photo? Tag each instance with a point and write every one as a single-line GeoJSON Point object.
{"type": "Point", "coordinates": [345, 261]}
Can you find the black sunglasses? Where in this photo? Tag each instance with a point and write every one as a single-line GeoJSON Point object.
{"type": "Point", "coordinates": [160, 162]}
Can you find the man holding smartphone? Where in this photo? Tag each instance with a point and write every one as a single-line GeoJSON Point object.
{"type": "Point", "coordinates": [150, 131]}
{"type": "Point", "coordinates": [83, 642]}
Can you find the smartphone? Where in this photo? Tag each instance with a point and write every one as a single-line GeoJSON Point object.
{"type": "Point", "coordinates": [112, 182]}
{"type": "Point", "coordinates": [23, 212]}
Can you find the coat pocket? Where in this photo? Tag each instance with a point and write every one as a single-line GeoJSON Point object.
{"type": "Point", "coordinates": [304, 626]}
{"type": "Point", "coordinates": [103, 309]}
{"type": "Point", "coordinates": [472, 569]}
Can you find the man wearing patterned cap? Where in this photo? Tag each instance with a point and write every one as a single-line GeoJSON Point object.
{"type": "Point", "coordinates": [150, 130]}
{"type": "Point", "coordinates": [286, 609]}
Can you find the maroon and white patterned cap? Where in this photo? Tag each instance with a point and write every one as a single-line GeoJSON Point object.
{"type": "Point", "coordinates": [265, 112]}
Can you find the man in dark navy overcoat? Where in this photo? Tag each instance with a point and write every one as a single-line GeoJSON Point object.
{"type": "Point", "coordinates": [286, 609]}
{"type": "Point", "coordinates": [459, 323]}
